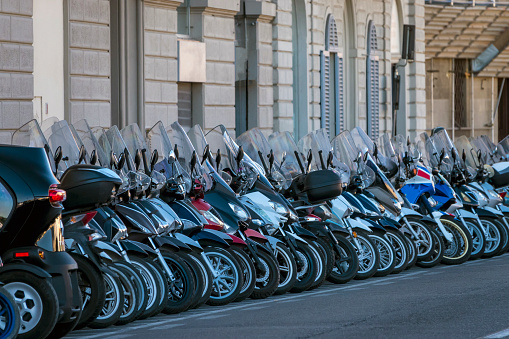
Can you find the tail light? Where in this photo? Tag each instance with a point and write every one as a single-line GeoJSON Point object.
{"type": "Point", "coordinates": [503, 194]}
{"type": "Point", "coordinates": [84, 218]}
{"type": "Point", "coordinates": [56, 196]}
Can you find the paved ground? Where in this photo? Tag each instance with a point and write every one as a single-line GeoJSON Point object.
{"type": "Point", "coordinates": [466, 301]}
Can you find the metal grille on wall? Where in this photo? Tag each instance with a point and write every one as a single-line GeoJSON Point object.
{"type": "Point", "coordinates": [373, 84]}
{"type": "Point", "coordinates": [331, 81]}
{"type": "Point", "coordinates": [460, 96]}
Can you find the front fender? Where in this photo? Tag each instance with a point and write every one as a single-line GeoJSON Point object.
{"type": "Point", "coordinates": [467, 214]}
{"type": "Point", "coordinates": [273, 241]}
{"type": "Point", "coordinates": [254, 235]}
{"type": "Point", "coordinates": [304, 233]}
{"type": "Point", "coordinates": [486, 213]}
{"type": "Point", "coordinates": [111, 251]}
{"type": "Point", "coordinates": [359, 223]}
{"type": "Point", "coordinates": [296, 239]}
{"type": "Point", "coordinates": [37, 271]}
{"type": "Point", "coordinates": [188, 241]}
{"type": "Point", "coordinates": [136, 248]}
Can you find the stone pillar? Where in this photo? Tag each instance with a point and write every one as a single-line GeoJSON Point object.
{"type": "Point", "coordinates": [16, 66]}
{"type": "Point", "coordinates": [87, 74]}
{"type": "Point", "coordinates": [282, 66]}
{"type": "Point", "coordinates": [213, 23]}
{"type": "Point", "coordinates": [416, 96]}
{"type": "Point", "coordinates": [259, 16]}
{"type": "Point", "coordinates": [160, 62]}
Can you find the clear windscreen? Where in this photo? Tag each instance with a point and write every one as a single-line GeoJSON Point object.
{"type": "Point", "coordinates": [386, 147]}
{"type": "Point", "coordinates": [463, 145]}
{"type": "Point", "coordinates": [504, 144]}
{"type": "Point", "coordinates": [30, 135]}
{"type": "Point", "coordinates": [435, 144]}
{"type": "Point", "coordinates": [283, 143]}
{"type": "Point", "coordinates": [421, 148]}
{"type": "Point", "coordinates": [362, 140]}
{"type": "Point", "coordinates": [60, 135]}
{"type": "Point", "coordinates": [479, 145]}
{"type": "Point", "coordinates": [90, 142]}
{"type": "Point", "coordinates": [158, 139]}
{"type": "Point", "coordinates": [186, 150]}
{"type": "Point", "coordinates": [344, 149]}
{"type": "Point", "coordinates": [133, 139]}
{"type": "Point", "coordinates": [118, 147]}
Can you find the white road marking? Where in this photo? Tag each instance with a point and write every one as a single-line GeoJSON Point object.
{"type": "Point", "coordinates": [500, 334]}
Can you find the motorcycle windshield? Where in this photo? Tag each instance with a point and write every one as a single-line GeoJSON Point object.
{"type": "Point", "coordinates": [118, 147]}
{"type": "Point", "coordinates": [219, 139]}
{"type": "Point", "coordinates": [463, 145]}
{"type": "Point", "coordinates": [186, 150]}
{"type": "Point", "coordinates": [133, 139]}
{"type": "Point", "coordinates": [158, 139]}
{"type": "Point", "coordinates": [345, 150]}
{"type": "Point", "coordinates": [30, 135]}
{"type": "Point", "coordinates": [439, 142]}
{"type": "Point", "coordinates": [283, 143]}
{"type": "Point", "coordinates": [499, 152]}
{"type": "Point", "coordinates": [320, 146]}
{"type": "Point", "coordinates": [421, 148]}
{"type": "Point", "coordinates": [387, 148]}
{"type": "Point", "coordinates": [504, 144]}
{"type": "Point", "coordinates": [60, 135]}
{"type": "Point", "coordinates": [90, 142]}
{"type": "Point", "coordinates": [257, 147]}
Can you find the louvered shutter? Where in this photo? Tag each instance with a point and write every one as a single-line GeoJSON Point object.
{"type": "Point", "coordinates": [373, 84]}
{"type": "Point", "coordinates": [340, 100]}
{"type": "Point", "coordinates": [325, 89]}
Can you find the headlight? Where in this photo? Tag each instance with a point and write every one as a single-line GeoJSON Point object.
{"type": "Point", "coordinates": [465, 197]}
{"type": "Point", "coordinates": [494, 194]}
{"type": "Point", "coordinates": [95, 236]}
{"type": "Point", "coordinates": [211, 217]}
{"type": "Point", "coordinates": [279, 208]}
{"type": "Point", "coordinates": [258, 222]}
{"type": "Point", "coordinates": [239, 211]}
{"type": "Point", "coordinates": [293, 216]}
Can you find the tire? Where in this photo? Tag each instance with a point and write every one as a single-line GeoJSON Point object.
{"type": "Point", "coordinates": [10, 315]}
{"type": "Point", "coordinates": [478, 239]}
{"type": "Point", "coordinates": [225, 288]}
{"type": "Point", "coordinates": [266, 282]}
{"type": "Point", "coordinates": [153, 286]}
{"type": "Point", "coordinates": [437, 252]}
{"type": "Point", "coordinates": [287, 269]}
{"type": "Point", "coordinates": [131, 300]}
{"type": "Point", "coordinates": [412, 252]}
{"type": "Point", "coordinates": [248, 272]}
{"type": "Point", "coordinates": [424, 243]}
{"type": "Point", "coordinates": [137, 280]}
{"type": "Point", "coordinates": [494, 241]}
{"type": "Point", "coordinates": [326, 247]}
{"type": "Point", "coordinates": [322, 264]}
{"type": "Point", "coordinates": [37, 302]}
{"type": "Point", "coordinates": [398, 242]}
{"type": "Point", "coordinates": [181, 291]}
{"type": "Point", "coordinates": [62, 329]}
{"type": "Point", "coordinates": [459, 250]}
{"type": "Point", "coordinates": [505, 236]}
{"type": "Point", "coordinates": [306, 269]}
{"type": "Point", "coordinates": [91, 284]}
{"type": "Point", "coordinates": [346, 263]}
{"type": "Point", "coordinates": [207, 276]}
{"type": "Point", "coordinates": [113, 304]}
{"type": "Point", "coordinates": [162, 282]}
{"type": "Point", "coordinates": [369, 258]}
{"type": "Point", "coordinates": [200, 283]}
{"type": "Point", "coordinates": [386, 252]}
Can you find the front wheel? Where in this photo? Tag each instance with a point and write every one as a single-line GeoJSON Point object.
{"type": "Point", "coordinates": [494, 240]}
{"type": "Point", "coordinates": [458, 250]}
{"type": "Point", "coordinates": [37, 302]}
{"type": "Point", "coordinates": [420, 234]}
{"type": "Point", "coordinates": [268, 279]}
{"type": "Point", "coordinates": [397, 241]}
{"type": "Point", "coordinates": [367, 252]}
{"type": "Point", "coordinates": [306, 268]}
{"type": "Point", "coordinates": [346, 261]}
{"type": "Point", "coordinates": [227, 276]}
{"type": "Point", "coordinates": [478, 239]}
{"type": "Point", "coordinates": [437, 252]}
{"type": "Point", "coordinates": [387, 254]}
{"type": "Point", "coordinates": [248, 272]}
{"type": "Point", "coordinates": [287, 269]}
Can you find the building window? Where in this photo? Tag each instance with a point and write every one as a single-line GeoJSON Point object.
{"type": "Point", "coordinates": [184, 19]}
{"type": "Point", "coordinates": [185, 105]}
{"type": "Point", "coordinates": [331, 82]}
{"type": "Point", "coordinates": [460, 93]}
{"type": "Point", "coordinates": [373, 83]}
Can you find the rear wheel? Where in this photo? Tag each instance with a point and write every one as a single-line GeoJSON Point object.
{"type": "Point", "coordinates": [287, 269]}
{"type": "Point", "coordinates": [37, 302]}
{"type": "Point", "coordinates": [91, 285]}
{"type": "Point", "coordinates": [346, 261]}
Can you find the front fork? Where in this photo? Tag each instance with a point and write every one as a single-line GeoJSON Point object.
{"type": "Point", "coordinates": [355, 241]}
{"type": "Point", "coordinates": [257, 262]}
{"type": "Point", "coordinates": [161, 259]}
{"type": "Point", "coordinates": [436, 216]}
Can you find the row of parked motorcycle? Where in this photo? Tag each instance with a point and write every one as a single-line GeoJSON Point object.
{"type": "Point", "coordinates": [104, 227]}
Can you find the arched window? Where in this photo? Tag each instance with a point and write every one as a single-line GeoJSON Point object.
{"type": "Point", "coordinates": [331, 81]}
{"type": "Point", "coordinates": [373, 83]}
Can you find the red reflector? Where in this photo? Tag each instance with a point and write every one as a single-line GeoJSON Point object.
{"type": "Point", "coordinates": [56, 195]}
{"type": "Point", "coordinates": [503, 194]}
{"type": "Point", "coordinates": [21, 255]}
{"type": "Point", "coordinates": [89, 216]}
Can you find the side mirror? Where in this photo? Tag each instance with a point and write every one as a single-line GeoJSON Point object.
{"type": "Point", "coordinates": [137, 159]}
{"type": "Point", "coordinates": [309, 158]}
{"type": "Point", "coordinates": [479, 155]}
{"type": "Point", "coordinates": [375, 152]}
{"type": "Point", "coordinates": [283, 158]}
{"type": "Point", "coordinates": [240, 156]}
{"type": "Point", "coordinates": [194, 160]}
{"type": "Point", "coordinates": [408, 141]}
{"type": "Point", "coordinates": [121, 161]}
{"type": "Point", "coordinates": [82, 154]}
{"type": "Point", "coordinates": [464, 156]}
{"type": "Point", "coordinates": [359, 157]}
{"type": "Point", "coordinates": [113, 160]}
{"type": "Point", "coordinates": [271, 160]}
{"type": "Point", "coordinates": [442, 155]}
{"type": "Point", "coordinates": [58, 155]}
{"type": "Point", "coordinates": [434, 171]}
{"type": "Point", "coordinates": [153, 160]}
{"type": "Point", "coordinates": [330, 158]}
{"type": "Point", "coordinates": [218, 158]}
{"type": "Point", "coordinates": [226, 177]}
{"type": "Point", "coordinates": [454, 155]}
{"type": "Point", "coordinates": [176, 151]}
{"type": "Point", "coordinates": [205, 153]}
{"type": "Point", "coordinates": [93, 157]}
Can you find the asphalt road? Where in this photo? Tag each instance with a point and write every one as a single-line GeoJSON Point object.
{"type": "Point", "coordinates": [465, 301]}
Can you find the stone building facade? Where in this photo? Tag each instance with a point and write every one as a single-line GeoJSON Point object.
{"type": "Point", "coordinates": [289, 65]}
